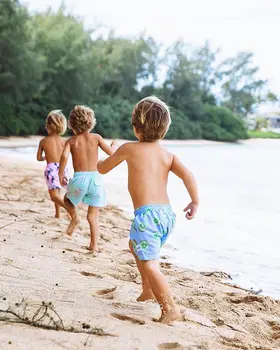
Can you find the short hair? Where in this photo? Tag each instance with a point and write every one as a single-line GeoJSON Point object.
{"type": "Point", "coordinates": [82, 118]}
{"type": "Point", "coordinates": [151, 118]}
{"type": "Point", "coordinates": [56, 121]}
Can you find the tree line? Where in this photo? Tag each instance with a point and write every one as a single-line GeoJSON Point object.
{"type": "Point", "coordinates": [49, 60]}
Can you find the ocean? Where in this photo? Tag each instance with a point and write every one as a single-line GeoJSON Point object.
{"type": "Point", "coordinates": [237, 228]}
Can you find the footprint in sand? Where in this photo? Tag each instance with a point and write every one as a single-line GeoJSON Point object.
{"type": "Point", "coordinates": [128, 318]}
{"type": "Point", "coordinates": [175, 345]}
{"type": "Point", "coordinates": [247, 299]}
{"type": "Point", "coordinates": [73, 250]}
{"type": "Point", "coordinates": [90, 274]}
{"type": "Point", "coordinates": [166, 265]}
{"type": "Point", "coordinates": [275, 326]}
{"type": "Point", "coordinates": [107, 293]}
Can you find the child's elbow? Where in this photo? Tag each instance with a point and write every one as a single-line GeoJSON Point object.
{"type": "Point", "coordinates": [101, 168]}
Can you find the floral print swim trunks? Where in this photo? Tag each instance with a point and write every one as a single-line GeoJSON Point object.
{"type": "Point", "coordinates": [150, 229]}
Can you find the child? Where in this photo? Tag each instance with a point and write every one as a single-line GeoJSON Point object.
{"type": "Point", "coordinates": [87, 184]}
{"type": "Point", "coordinates": [52, 146]}
{"type": "Point", "coordinates": [148, 167]}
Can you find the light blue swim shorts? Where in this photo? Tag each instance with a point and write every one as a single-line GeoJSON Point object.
{"type": "Point", "coordinates": [150, 229]}
{"type": "Point", "coordinates": [87, 187]}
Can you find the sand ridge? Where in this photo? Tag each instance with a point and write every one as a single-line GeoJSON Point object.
{"type": "Point", "coordinates": [98, 291]}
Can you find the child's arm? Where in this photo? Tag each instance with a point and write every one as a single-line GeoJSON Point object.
{"type": "Point", "coordinates": [183, 173]}
{"type": "Point", "coordinates": [40, 151]}
{"type": "Point", "coordinates": [63, 162]}
{"type": "Point", "coordinates": [107, 164]}
{"type": "Point", "coordinates": [105, 148]}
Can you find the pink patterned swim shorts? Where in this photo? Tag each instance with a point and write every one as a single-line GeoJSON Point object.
{"type": "Point", "coordinates": [51, 175]}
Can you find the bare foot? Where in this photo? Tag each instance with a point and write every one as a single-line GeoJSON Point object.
{"type": "Point", "coordinates": [170, 316]}
{"type": "Point", "coordinates": [73, 224]}
{"type": "Point", "coordinates": [94, 248]}
{"type": "Point", "coordinates": [146, 295]}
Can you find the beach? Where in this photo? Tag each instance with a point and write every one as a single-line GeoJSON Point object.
{"type": "Point", "coordinates": [93, 296]}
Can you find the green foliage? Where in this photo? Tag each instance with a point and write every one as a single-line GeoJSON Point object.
{"type": "Point", "coordinates": [263, 134]}
{"type": "Point", "coordinates": [49, 60]}
{"type": "Point", "coordinates": [220, 124]}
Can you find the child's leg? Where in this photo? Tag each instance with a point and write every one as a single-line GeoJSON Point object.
{"type": "Point", "coordinates": [147, 293]}
{"type": "Point", "coordinates": [57, 210]}
{"type": "Point", "coordinates": [71, 209]}
{"type": "Point", "coordinates": [58, 201]}
{"type": "Point", "coordinates": [92, 217]}
{"type": "Point", "coordinates": [161, 290]}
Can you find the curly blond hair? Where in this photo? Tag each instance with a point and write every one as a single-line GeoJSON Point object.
{"type": "Point", "coordinates": [151, 118]}
{"type": "Point", "coordinates": [82, 118]}
{"type": "Point", "coordinates": [56, 122]}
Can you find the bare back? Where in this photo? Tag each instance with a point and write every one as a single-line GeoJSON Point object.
{"type": "Point", "coordinates": [84, 150]}
{"type": "Point", "coordinates": [52, 146]}
{"type": "Point", "coordinates": [148, 168]}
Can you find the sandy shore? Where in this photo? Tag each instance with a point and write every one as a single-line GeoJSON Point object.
{"type": "Point", "coordinates": [32, 141]}
{"type": "Point", "coordinates": [93, 296]}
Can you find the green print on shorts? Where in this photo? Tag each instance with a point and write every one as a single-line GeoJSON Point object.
{"type": "Point", "coordinates": [156, 235]}
{"type": "Point", "coordinates": [148, 210]}
{"type": "Point", "coordinates": [144, 245]}
{"type": "Point", "coordinates": [156, 221]}
{"type": "Point", "coordinates": [142, 227]}
{"type": "Point", "coordinates": [134, 226]}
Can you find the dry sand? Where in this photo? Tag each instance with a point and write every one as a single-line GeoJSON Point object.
{"type": "Point", "coordinates": [97, 293]}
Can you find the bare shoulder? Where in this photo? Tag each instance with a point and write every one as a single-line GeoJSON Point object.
{"type": "Point", "coordinates": [128, 147]}
{"type": "Point", "coordinates": [71, 139]}
{"type": "Point", "coordinates": [96, 136]}
{"type": "Point", "coordinates": [169, 156]}
{"type": "Point", "coordinates": [44, 141]}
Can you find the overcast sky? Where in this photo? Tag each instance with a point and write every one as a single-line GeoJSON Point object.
{"type": "Point", "coordinates": [232, 25]}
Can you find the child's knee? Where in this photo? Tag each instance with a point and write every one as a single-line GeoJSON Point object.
{"type": "Point", "coordinates": [54, 197]}
{"type": "Point", "coordinates": [91, 217]}
{"type": "Point", "coordinates": [149, 266]}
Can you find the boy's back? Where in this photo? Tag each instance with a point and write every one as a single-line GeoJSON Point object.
{"type": "Point", "coordinates": [148, 168]}
{"type": "Point", "coordinates": [84, 150]}
{"type": "Point", "coordinates": [53, 147]}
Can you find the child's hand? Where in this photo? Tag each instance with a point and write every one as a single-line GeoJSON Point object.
{"type": "Point", "coordinates": [63, 181]}
{"type": "Point", "coordinates": [114, 145]}
{"type": "Point", "coordinates": [191, 210]}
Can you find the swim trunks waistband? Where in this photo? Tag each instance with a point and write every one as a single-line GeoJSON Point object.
{"type": "Point", "coordinates": [143, 208]}
{"type": "Point", "coordinates": [85, 173]}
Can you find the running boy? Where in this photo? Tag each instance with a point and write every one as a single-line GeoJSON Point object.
{"type": "Point", "coordinates": [87, 184]}
{"type": "Point", "coordinates": [148, 167]}
{"type": "Point", "coordinates": [52, 146]}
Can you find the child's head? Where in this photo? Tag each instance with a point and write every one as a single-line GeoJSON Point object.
{"type": "Point", "coordinates": [82, 119]}
{"type": "Point", "coordinates": [151, 119]}
{"type": "Point", "coordinates": [56, 122]}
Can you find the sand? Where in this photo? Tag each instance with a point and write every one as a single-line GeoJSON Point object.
{"type": "Point", "coordinates": [96, 292]}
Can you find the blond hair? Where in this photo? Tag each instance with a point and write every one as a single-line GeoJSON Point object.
{"type": "Point", "coordinates": [56, 122]}
{"type": "Point", "coordinates": [151, 118]}
{"type": "Point", "coordinates": [82, 118]}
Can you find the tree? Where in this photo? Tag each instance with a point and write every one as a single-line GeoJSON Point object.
{"type": "Point", "coordinates": [241, 88]}
{"type": "Point", "coordinates": [49, 60]}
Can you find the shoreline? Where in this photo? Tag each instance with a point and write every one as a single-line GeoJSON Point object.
{"type": "Point", "coordinates": [32, 141]}
{"type": "Point", "coordinates": [100, 290]}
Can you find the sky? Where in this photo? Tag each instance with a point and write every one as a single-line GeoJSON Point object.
{"type": "Point", "coordinates": [231, 25]}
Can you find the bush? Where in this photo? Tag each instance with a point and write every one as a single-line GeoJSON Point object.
{"type": "Point", "coordinates": [220, 124]}
{"type": "Point", "coordinates": [182, 128]}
